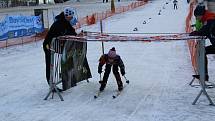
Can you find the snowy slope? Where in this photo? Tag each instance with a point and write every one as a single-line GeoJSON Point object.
{"type": "Point", "coordinates": [159, 74]}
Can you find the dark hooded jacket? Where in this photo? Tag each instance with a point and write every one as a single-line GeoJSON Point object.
{"type": "Point", "coordinates": [208, 29]}
{"type": "Point", "coordinates": [104, 59]}
{"type": "Point", "coordinates": [59, 28]}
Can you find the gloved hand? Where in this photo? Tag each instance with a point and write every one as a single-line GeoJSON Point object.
{"type": "Point", "coordinates": [194, 33]}
{"type": "Point", "coordinates": [47, 47]}
{"type": "Point", "coordinates": [122, 72]}
{"type": "Point", "coordinates": [80, 33]}
{"type": "Point", "coordinates": [99, 71]}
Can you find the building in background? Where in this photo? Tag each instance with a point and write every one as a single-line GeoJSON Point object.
{"type": "Point", "coordinates": [51, 1]}
{"type": "Point", "coordinates": [46, 1]}
{"type": "Point", "coordinates": [14, 3]}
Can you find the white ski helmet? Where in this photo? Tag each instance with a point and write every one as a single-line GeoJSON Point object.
{"type": "Point", "coordinates": [68, 11]}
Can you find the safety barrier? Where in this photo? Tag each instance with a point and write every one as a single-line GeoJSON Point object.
{"type": "Point", "coordinates": [106, 37]}
{"type": "Point", "coordinates": [68, 65]}
{"type": "Point", "coordinates": [197, 53]}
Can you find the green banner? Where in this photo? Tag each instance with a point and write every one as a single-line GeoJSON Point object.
{"type": "Point", "coordinates": [74, 64]}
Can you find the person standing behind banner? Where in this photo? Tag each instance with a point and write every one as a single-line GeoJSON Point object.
{"type": "Point", "coordinates": [111, 59]}
{"type": "Point", "coordinates": [60, 27]}
{"type": "Point", "coordinates": [208, 29]}
{"type": "Point", "coordinates": [175, 2]}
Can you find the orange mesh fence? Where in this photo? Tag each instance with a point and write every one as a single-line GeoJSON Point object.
{"type": "Point", "coordinates": [95, 17]}
{"type": "Point", "coordinates": [192, 44]}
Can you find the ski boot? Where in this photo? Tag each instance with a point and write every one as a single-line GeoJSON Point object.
{"type": "Point", "coordinates": [102, 87]}
{"type": "Point", "coordinates": [120, 88]}
{"type": "Point", "coordinates": [198, 77]}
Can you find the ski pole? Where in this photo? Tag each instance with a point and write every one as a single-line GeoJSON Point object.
{"type": "Point", "coordinates": [100, 81]}
{"type": "Point", "coordinates": [127, 81]}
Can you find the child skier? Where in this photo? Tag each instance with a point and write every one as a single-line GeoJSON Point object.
{"type": "Point", "coordinates": [111, 59]}
{"type": "Point", "coordinates": [175, 2]}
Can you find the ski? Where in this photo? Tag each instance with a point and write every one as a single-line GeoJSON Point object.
{"type": "Point", "coordinates": [119, 92]}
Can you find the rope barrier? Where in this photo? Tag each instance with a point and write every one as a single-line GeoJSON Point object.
{"type": "Point", "coordinates": [103, 37]}
{"type": "Point", "coordinates": [138, 33]}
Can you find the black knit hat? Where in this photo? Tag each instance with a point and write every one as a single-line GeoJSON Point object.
{"type": "Point", "coordinates": [112, 52]}
{"type": "Point", "coordinates": [199, 11]}
{"type": "Point", "coordinates": [113, 49]}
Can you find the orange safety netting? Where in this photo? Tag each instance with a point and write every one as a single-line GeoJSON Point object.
{"type": "Point", "coordinates": [95, 17]}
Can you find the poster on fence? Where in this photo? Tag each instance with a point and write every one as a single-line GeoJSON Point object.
{"type": "Point", "coordinates": [3, 30]}
{"type": "Point", "coordinates": [74, 64]}
{"type": "Point", "coordinates": [19, 26]}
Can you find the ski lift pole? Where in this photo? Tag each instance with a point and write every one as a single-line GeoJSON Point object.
{"type": "Point", "coordinates": [101, 27]}
{"type": "Point", "coordinates": [100, 81]}
{"type": "Point", "coordinates": [100, 77]}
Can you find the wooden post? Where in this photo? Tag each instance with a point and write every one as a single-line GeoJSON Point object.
{"type": "Point", "coordinates": [112, 6]}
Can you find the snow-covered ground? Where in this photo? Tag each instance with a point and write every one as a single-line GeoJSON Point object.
{"type": "Point", "coordinates": [159, 73]}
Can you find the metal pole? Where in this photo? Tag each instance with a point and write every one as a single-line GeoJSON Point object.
{"type": "Point", "coordinates": [48, 17]}
{"type": "Point", "coordinates": [101, 27]}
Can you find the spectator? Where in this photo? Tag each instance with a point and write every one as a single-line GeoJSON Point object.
{"type": "Point", "coordinates": [208, 29]}
{"type": "Point", "coordinates": [60, 27]}
{"type": "Point", "coordinates": [175, 2]}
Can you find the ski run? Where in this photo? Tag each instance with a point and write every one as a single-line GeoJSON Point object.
{"type": "Point", "coordinates": [159, 75]}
